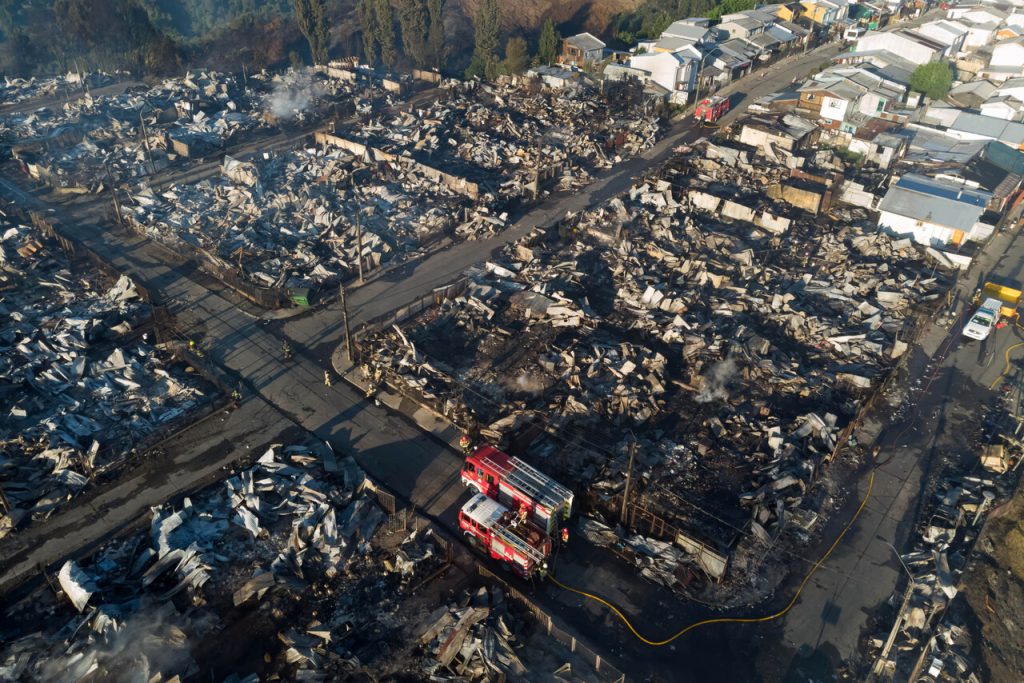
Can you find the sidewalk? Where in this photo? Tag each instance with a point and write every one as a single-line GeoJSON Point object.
{"type": "Point", "coordinates": [433, 423]}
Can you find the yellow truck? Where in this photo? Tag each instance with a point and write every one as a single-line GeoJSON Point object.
{"type": "Point", "coordinates": [994, 303]}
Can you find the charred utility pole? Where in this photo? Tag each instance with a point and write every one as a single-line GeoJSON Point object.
{"type": "Point", "coordinates": [113, 193]}
{"type": "Point", "coordinates": [8, 510]}
{"type": "Point", "coordinates": [359, 244]}
{"type": "Point", "coordinates": [348, 332]}
{"type": "Point", "coordinates": [145, 140]}
{"type": "Point", "coordinates": [629, 482]}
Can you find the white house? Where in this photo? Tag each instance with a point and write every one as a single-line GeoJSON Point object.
{"type": "Point", "coordinates": [1006, 107]}
{"type": "Point", "coordinates": [1013, 87]}
{"type": "Point", "coordinates": [947, 33]}
{"type": "Point", "coordinates": [1008, 57]}
{"type": "Point", "coordinates": [915, 48]}
{"type": "Point", "coordinates": [978, 34]}
{"type": "Point", "coordinates": [933, 212]}
{"type": "Point", "coordinates": [695, 34]}
{"type": "Point", "coordinates": [674, 71]}
{"type": "Point", "coordinates": [977, 14]}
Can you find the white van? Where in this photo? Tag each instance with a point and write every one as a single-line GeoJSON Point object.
{"type": "Point", "coordinates": [854, 33]}
{"type": "Point", "coordinates": [984, 320]}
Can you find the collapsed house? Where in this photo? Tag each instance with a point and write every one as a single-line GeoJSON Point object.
{"type": "Point", "coordinates": [735, 336]}
{"type": "Point", "coordinates": [170, 600]}
{"type": "Point", "coordinates": [83, 380]}
{"type": "Point", "coordinates": [93, 143]}
{"type": "Point", "coordinates": [514, 140]}
{"type": "Point", "coordinates": [303, 218]}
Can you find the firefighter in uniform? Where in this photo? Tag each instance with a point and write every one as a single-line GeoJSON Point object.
{"type": "Point", "coordinates": [465, 443]}
{"type": "Point", "coordinates": [565, 535]}
{"type": "Point", "coordinates": [327, 378]}
{"type": "Point", "coordinates": [286, 350]}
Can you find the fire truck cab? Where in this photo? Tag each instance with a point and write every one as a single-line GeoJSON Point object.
{"type": "Point", "coordinates": [501, 533]}
{"type": "Point", "coordinates": [516, 484]}
{"type": "Point", "coordinates": [710, 109]}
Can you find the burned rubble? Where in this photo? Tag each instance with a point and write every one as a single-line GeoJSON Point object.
{"type": "Point", "coordinates": [15, 90]}
{"type": "Point", "coordinates": [734, 336]}
{"type": "Point", "coordinates": [953, 564]}
{"type": "Point", "coordinates": [514, 137]}
{"type": "Point", "coordinates": [302, 218]}
{"type": "Point", "coordinates": [288, 569]}
{"type": "Point", "coordinates": [282, 552]}
{"type": "Point", "coordinates": [93, 143]}
{"type": "Point", "coordinates": [84, 381]}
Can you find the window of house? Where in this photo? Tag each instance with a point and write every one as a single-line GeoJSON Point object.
{"type": "Point", "coordinates": [881, 105]}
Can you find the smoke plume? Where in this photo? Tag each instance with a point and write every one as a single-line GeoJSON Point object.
{"type": "Point", "coordinates": [715, 382]}
{"type": "Point", "coordinates": [293, 95]}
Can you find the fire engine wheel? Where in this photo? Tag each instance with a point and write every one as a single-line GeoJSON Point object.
{"type": "Point", "coordinates": [474, 487]}
{"type": "Point", "coordinates": [474, 542]}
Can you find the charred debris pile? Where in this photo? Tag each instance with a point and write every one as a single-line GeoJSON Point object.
{"type": "Point", "coordinates": [735, 336]}
{"type": "Point", "coordinates": [380, 189]}
{"type": "Point", "coordinates": [88, 144]}
{"type": "Point", "coordinates": [516, 139]}
{"type": "Point", "coordinates": [278, 570]}
{"type": "Point", "coordinates": [302, 218]}
{"type": "Point", "coordinates": [83, 380]}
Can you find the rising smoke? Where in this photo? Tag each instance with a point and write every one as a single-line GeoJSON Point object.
{"type": "Point", "coordinates": [148, 643]}
{"type": "Point", "coordinates": [715, 382]}
{"type": "Point", "coordinates": [526, 382]}
{"type": "Point", "coordinates": [293, 95]}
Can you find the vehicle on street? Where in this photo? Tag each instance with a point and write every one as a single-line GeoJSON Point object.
{"type": "Point", "coordinates": [516, 484]}
{"type": "Point", "coordinates": [997, 302]}
{"type": "Point", "coordinates": [983, 321]}
{"type": "Point", "coordinates": [854, 33]}
{"type": "Point", "coordinates": [505, 536]}
{"type": "Point", "coordinates": [711, 108]}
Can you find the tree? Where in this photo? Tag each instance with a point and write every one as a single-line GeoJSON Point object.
{"type": "Point", "coordinates": [517, 56]}
{"type": "Point", "coordinates": [730, 7]}
{"type": "Point", "coordinates": [485, 33]}
{"type": "Point", "coordinates": [311, 18]}
{"type": "Point", "coordinates": [368, 26]}
{"type": "Point", "coordinates": [934, 79]}
{"type": "Point", "coordinates": [413, 19]}
{"type": "Point", "coordinates": [436, 50]}
{"type": "Point", "coordinates": [547, 46]}
{"type": "Point", "coordinates": [385, 32]}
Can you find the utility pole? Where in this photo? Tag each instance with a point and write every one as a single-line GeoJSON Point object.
{"type": "Point", "coordinates": [629, 482]}
{"type": "Point", "coordinates": [6, 505]}
{"type": "Point", "coordinates": [359, 243]}
{"type": "Point", "coordinates": [348, 332]}
{"type": "Point", "coordinates": [145, 139]}
{"type": "Point", "coordinates": [113, 193]}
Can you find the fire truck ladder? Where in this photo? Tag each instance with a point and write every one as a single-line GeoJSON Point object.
{"type": "Point", "coordinates": [508, 535]}
{"type": "Point", "coordinates": [538, 485]}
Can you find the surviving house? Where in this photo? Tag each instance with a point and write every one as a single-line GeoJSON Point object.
{"type": "Point", "coordinates": [934, 212]}
{"type": "Point", "coordinates": [581, 49]}
{"type": "Point", "coordinates": [676, 72]}
{"type": "Point", "coordinates": [910, 45]}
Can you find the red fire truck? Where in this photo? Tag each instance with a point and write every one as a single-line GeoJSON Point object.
{"type": "Point", "coordinates": [712, 108]}
{"type": "Point", "coordinates": [516, 484]}
{"type": "Point", "coordinates": [505, 536]}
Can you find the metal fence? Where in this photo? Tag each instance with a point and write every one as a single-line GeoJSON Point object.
{"type": "Point", "coordinates": [232, 276]}
{"type": "Point", "coordinates": [435, 298]}
{"type": "Point", "coordinates": [604, 670]}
